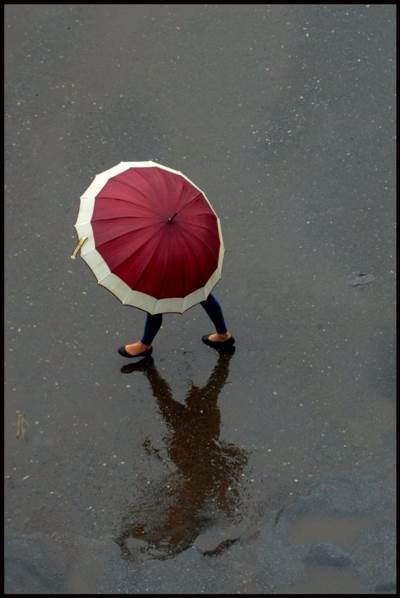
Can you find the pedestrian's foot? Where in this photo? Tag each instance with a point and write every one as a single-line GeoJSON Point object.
{"type": "Point", "coordinates": [219, 341]}
{"type": "Point", "coordinates": [219, 337]}
{"type": "Point", "coordinates": [136, 348]}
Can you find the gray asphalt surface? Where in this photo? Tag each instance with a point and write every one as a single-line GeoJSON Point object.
{"type": "Point", "coordinates": [285, 116]}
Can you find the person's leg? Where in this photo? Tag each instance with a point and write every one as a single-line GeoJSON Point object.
{"type": "Point", "coordinates": [152, 326]}
{"type": "Point", "coordinates": [214, 311]}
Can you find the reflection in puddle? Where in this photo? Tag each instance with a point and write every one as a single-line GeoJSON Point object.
{"type": "Point", "coordinates": [207, 470]}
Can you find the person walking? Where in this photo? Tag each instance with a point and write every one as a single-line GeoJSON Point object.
{"type": "Point", "coordinates": [153, 239]}
{"type": "Point", "coordinates": [219, 340]}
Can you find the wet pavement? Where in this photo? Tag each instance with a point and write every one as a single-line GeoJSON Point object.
{"type": "Point", "coordinates": [269, 469]}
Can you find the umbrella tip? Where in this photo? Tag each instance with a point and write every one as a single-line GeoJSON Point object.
{"type": "Point", "coordinates": [170, 219]}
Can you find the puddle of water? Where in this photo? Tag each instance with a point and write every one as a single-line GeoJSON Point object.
{"type": "Point", "coordinates": [315, 528]}
{"type": "Point", "coordinates": [325, 580]}
{"type": "Point", "coordinates": [171, 512]}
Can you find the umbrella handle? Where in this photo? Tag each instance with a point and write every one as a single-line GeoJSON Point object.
{"type": "Point", "coordinates": [77, 248]}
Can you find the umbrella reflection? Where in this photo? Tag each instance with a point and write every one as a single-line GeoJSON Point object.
{"type": "Point", "coordinates": [205, 482]}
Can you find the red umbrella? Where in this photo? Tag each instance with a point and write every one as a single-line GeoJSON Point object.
{"type": "Point", "coordinates": [152, 237]}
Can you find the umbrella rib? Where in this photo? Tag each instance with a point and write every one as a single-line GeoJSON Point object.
{"type": "Point", "coordinates": [132, 203]}
{"type": "Point", "coordinates": [117, 218]}
{"type": "Point", "coordinates": [130, 186]}
{"type": "Point", "coordinates": [135, 188]}
{"type": "Point", "coordinates": [136, 250]}
{"type": "Point", "coordinates": [199, 269]}
{"type": "Point", "coordinates": [195, 225]}
{"type": "Point", "coordinates": [182, 279]}
{"type": "Point", "coordinates": [204, 214]}
{"type": "Point", "coordinates": [163, 278]}
{"type": "Point", "coordinates": [161, 177]}
{"type": "Point", "coordinates": [200, 239]}
{"type": "Point", "coordinates": [148, 262]}
{"type": "Point", "coordinates": [183, 189]}
{"type": "Point", "coordinates": [123, 235]}
{"type": "Point", "coordinates": [147, 182]}
{"type": "Point", "coordinates": [143, 177]}
{"type": "Point", "coordinates": [189, 202]}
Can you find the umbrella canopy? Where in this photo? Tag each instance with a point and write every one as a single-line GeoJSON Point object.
{"type": "Point", "coordinates": [153, 238]}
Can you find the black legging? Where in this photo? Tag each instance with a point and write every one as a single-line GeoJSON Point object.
{"type": "Point", "coordinates": [212, 307]}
